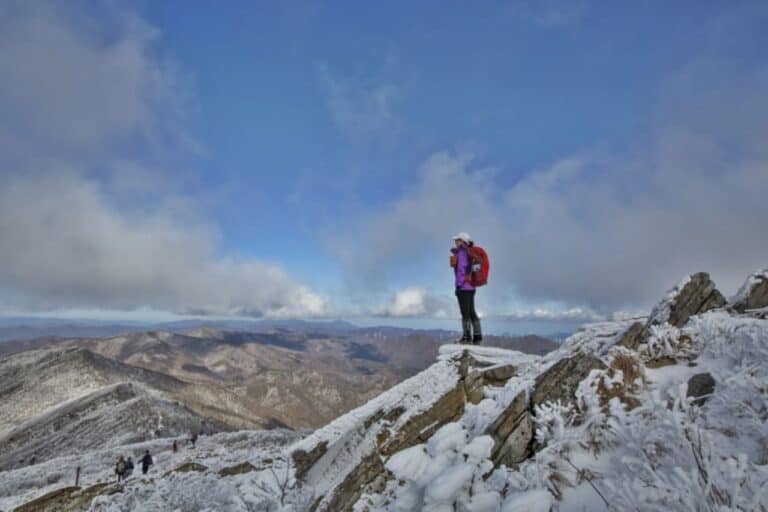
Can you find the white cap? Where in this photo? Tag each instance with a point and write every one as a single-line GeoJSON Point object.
{"type": "Point", "coordinates": [463, 236]}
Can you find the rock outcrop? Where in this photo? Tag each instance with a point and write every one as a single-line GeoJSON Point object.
{"type": "Point", "coordinates": [560, 381]}
{"type": "Point", "coordinates": [238, 469]}
{"type": "Point", "coordinates": [69, 499]}
{"type": "Point", "coordinates": [753, 294]}
{"type": "Point", "coordinates": [696, 294]}
{"type": "Point", "coordinates": [512, 433]}
{"type": "Point", "coordinates": [188, 467]}
{"type": "Point", "coordinates": [635, 335]}
{"type": "Point", "coordinates": [347, 458]}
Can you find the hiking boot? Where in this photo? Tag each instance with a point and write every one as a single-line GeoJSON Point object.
{"type": "Point", "coordinates": [478, 332]}
{"type": "Point", "coordinates": [466, 327]}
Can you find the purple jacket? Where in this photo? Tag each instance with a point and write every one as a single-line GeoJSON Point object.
{"type": "Point", "coordinates": [462, 268]}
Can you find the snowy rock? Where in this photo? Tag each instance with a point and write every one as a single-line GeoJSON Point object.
{"type": "Point", "coordinates": [188, 467]}
{"type": "Point", "coordinates": [303, 460]}
{"type": "Point", "coordinates": [753, 294]}
{"type": "Point", "coordinates": [634, 336]}
{"type": "Point", "coordinates": [239, 469]}
{"type": "Point", "coordinates": [69, 499]}
{"type": "Point", "coordinates": [512, 433]}
{"type": "Point", "coordinates": [359, 446]}
{"type": "Point", "coordinates": [498, 375]}
{"type": "Point", "coordinates": [346, 458]}
{"type": "Point", "coordinates": [694, 295]}
{"type": "Point", "coordinates": [476, 379]}
{"type": "Point", "coordinates": [700, 387]}
{"type": "Point", "coordinates": [560, 381]}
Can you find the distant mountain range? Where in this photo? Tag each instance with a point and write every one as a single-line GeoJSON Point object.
{"type": "Point", "coordinates": [59, 393]}
{"type": "Point", "coordinates": [25, 328]}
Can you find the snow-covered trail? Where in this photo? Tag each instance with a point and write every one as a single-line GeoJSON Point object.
{"type": "Point", "coordinates": [216, 452]}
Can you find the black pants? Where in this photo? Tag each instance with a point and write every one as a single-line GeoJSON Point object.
{"type": "Point", "coordinates": [467, 305]}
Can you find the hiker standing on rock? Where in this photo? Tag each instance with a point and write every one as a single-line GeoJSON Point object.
{"type": "Point", "coordinates": [470, 267]}
{"type": "Point", "coordinates": [146, 461]}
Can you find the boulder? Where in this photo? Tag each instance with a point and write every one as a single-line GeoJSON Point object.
{"type": "Point", "coordinates": [476, 380]}
{"type": "Point", "coordinates": [188, 467]}
{"type": "Point", "coordinates": [700, 387]}
{"type": "Point", "coordinates": [694, 295]}
{"type": "Point", "coordinates": [753, 294]}
{"type": "Point", "coordinates": [635, 335]}
{"type": "Point", "coordinates": [239, 469]}
{"type": "Point", "coordinates": [512, 433]}
{"type": "Point", "coordinates": [499, 375]}
{"type": "Point", "coordinates": [560, 381]}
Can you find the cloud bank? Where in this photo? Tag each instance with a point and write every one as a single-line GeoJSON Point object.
{"type": "Point", "coordinates": [599, 231]}
{"type": "Point", "coordinates": [414, 302]}
{"type": "Point", "coordinates": [89, 111]}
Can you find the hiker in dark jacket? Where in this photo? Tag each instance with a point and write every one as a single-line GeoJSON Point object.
{"type": "Point", "coordinates": [129, 467]}
{"type": "Point", "coordinates": [146, 461]}
{"type": "Point", "coordinates": [465, 291]}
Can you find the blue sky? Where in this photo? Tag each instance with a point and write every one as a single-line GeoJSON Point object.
{"type": "Point", "coordinates": [314, 158]}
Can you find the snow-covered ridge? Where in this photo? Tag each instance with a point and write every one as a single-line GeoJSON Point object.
{"type": "Point", "coordinates": [628, 415]}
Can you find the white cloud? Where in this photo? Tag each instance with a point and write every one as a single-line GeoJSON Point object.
{"type": "Point", "coordinates": [78, 81]}
{"type": "Point", "coordinates": [597, 231]}
{"type": "Point", "coordinates": [62, 245]}
{"type": "Point", "coordinates": [414, 302]}
{"type": "Point", "coordinates": [579, 315]}
{"type": "Point", "coordinates": [89, 111]}
{"type": "Point", "coordinates": [361, 110]}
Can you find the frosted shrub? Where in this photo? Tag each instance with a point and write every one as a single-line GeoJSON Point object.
{"type": "Point", "coordinates": [551, 421]}
{"type": "Point", "coordinates": [669, 341]}
{"type": "Point", "coordinates": [673, 464]}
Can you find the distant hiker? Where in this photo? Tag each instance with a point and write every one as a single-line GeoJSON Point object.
{"type": "Point", "coordinates": [175, 446]}
{"type": "Point", "coordinates": [470, 267]}
{"type": "Point", "coordinates": [146, 461]}
{"type": "Point", "coordinates": [129, 467]}
{"type": "Point", "coordinates": [193, 439]}
{"type": "Point", "coordinates": [120, 468]}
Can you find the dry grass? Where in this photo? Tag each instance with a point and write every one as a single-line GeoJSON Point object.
{"type": "Point", "coordinates": [630, 368]}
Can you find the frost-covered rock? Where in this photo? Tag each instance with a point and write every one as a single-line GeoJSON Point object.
{"type": "Point", "coordinates": [635, 335]}
{"type": "Point", "coordinates": [512, 433]}
{"type": "Point", "coordinates": [694, 295]}
{"type": "Point", "coordinates": [560, 381]}
{"type": "Point", "coordinates": [349, 456]}
{"type": "Point", "coordinates": [753, 294]}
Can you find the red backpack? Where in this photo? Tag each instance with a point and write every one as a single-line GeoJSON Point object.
{"type": "Point", "coordinates": [479, 265]}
